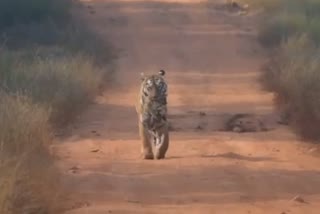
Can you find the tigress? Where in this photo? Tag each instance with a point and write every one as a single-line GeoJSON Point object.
{"type": "Point", "coordinates": [152, 114]}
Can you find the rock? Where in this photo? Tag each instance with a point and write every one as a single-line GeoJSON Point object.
{"type": "Point", "coordinates": [74, 169]}
{"type": "Point", "coordinates": [298, 199]}
{"type": "Point", "coordinates": [313, 150]}
{"type": "Point", "coordinates": [237, 129]}
{"type": "Point", "coordinates": [234, 4]}
{"type": "Point", "coordinates": [242, 13]}
{"type": "Point", "coordinates": [245, 123]}
{"type": "Point", "coordinates": [245, 6]}
{"type": "Point", "coordinates": [80, 204]}
{"type": "Point", "coordinates": [284, 119]}
{"type": "Point", "coordinates": [133, 201]}
{"type": "Point", "coordinates": [95, 150]}
{"type": "Point", "coordinates": [202, 114]}
{"type": "Point", "coordinates": [275, 150]}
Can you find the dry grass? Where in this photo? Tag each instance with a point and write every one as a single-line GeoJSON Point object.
{"type": "Point", "coordinates": [296, 83]}
{"type": "Point", "coordinates": [292, 30]}
{"type": "Point", "coordinates": [38, 89]}
{"type": "Point", "coordinates": [61, 81]}
{"type": "Point", "coordinates": [50, 71]}
{"type": "Point", "coordinates": [27, 176]}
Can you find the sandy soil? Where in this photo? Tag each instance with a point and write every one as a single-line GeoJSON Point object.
{"type": "Point", "coordinates": [213, 64]}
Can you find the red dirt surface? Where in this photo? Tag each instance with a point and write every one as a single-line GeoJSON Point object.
{"type": "Point", "coordinates": [213, 64]}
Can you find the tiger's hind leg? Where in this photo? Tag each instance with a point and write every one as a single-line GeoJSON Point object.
{"type": "Point", "coordinates": [162, 144]}
{"type": "Point", "coordinates": [146, 146]}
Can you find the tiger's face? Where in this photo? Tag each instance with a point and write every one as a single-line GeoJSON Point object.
{"type": "Point", "coordinates": [154, 86]}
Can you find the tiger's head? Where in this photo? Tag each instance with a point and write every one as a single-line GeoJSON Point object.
{"type": "Point", "coordinates": [154, 87]}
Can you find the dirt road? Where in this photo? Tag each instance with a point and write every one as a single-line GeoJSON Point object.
{"type": "Point", "coordinates": [212, 63]}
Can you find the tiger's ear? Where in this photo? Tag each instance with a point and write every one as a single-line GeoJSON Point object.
{"type": "Point", "coordinates": [142, 76]}
{"type": "Point", "coordinates": [162, 73]}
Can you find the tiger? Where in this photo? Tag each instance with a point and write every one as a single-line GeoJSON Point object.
{"type": "Point", "coordinates": [152, 116]}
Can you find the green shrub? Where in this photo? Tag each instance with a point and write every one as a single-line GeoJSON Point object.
{"type": "Point", "coordinates": [73, 37]}
{"type": "Point", "coordinates": [280, 27]}
{"type": "Point", "coordinates": [293, 28]}
{"type": "Point", "coordinates": [295, 80]}
{"type": "Point", "coordinates": [299, 84]}
{"type": "Point", "coordinates": [25, 11]}
{"type": "Point", "coordinates": [288, 18]}
{"type": "Point", "coordinates": [314, 29]}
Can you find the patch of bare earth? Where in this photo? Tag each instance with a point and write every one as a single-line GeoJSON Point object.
{"type": "Point", "coordinates": [213, 64]}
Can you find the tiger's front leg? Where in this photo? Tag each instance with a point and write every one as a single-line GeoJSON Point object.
{"type": "Point", "coordinates": [161, 142]}
{"type": "Point", "coordinates": [146, 146]}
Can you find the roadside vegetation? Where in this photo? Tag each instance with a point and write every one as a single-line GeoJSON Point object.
{"type": "Point", "coordinates": [290, 29]}
{"type": "Point", "coordinates": [51, 67]}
